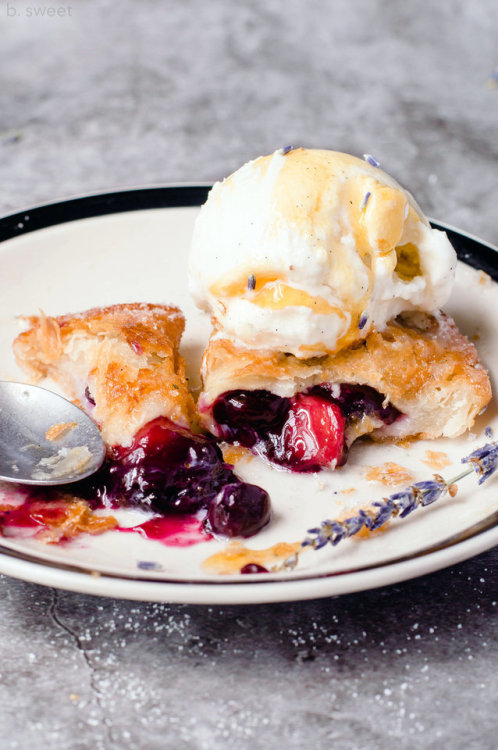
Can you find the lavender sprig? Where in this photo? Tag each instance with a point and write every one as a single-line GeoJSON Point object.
{"type": "Point", "coordinates": [483, 461]}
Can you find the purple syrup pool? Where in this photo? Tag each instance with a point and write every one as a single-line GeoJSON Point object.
{"type": "Point", "coordinates": [301, 433]}
{"type": "Point", "coordinates": [31, 512]}
{"type": "Point", "coordinates": [173, 531]}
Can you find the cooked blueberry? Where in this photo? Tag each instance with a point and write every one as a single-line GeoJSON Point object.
{"type": "Point", "coordinates": [238, 510]}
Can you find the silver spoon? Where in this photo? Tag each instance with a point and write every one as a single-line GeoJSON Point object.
{"type": "Point", "coordinates": [45, 439]}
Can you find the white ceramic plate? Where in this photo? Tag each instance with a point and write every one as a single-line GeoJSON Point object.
{"type": "Point", "coordinates": [133, 246]}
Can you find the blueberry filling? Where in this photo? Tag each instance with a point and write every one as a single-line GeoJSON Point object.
{"type": "Point", "coordinates": [355, 401]}
{"type": "Point", "coordinates": [171, 471]}
{"type": "Point", "coordinates": [253, 568]}
{"type": "Point", "coordinates": [89, 397]}
{"type": "Point", "coordinates": [302, 433]}
{"type": "Point", "coordinates": [246, 416]}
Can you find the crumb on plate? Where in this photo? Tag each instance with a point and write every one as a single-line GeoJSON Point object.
{"type": "Point", "coordinates": [235, 557]}
{"type": "Point", "coordinates": [390, 474]}
{"type": "Point", "coordinates": [436, 459]}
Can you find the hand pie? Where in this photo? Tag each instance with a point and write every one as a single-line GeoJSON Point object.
{"type": "Point", "coordinates": [419, 377]}
{"type": "Point", "coordinates": [324, 280]}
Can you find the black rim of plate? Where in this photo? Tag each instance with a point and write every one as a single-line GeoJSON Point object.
{"type": "Point", "coordinates": [469, 249]}
{"type": "Point", "coordinates": [472, 251]}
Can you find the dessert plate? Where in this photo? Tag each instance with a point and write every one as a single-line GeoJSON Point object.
{"type": "Point", "coordinates": [133, 246]}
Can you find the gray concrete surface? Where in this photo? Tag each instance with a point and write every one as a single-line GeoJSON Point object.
{"type": "Point", "coordinates": [131, 93]}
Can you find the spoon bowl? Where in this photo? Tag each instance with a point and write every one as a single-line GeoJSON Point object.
{"type": "Point", "coordinates": [44, 438]}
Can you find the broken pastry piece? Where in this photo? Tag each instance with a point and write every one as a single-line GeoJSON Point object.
{"type": "Point", "coordinates": [419, 377]}
{"type": "Point", "coordinates": [121, 363]}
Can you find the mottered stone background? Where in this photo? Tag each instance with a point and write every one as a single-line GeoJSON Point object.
{"type": "Point", "coordinates": [106, 94]}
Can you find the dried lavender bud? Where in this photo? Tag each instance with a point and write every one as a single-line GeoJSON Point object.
{"type": "Point", "coordinates": [354, 524]}
{"type": "Point", "coordinates": [363, 321]}
{"type": "Point", "coordinates": [484, 461]}
{"type": "Point", "coordinates": [146, 565]}
{"type": "Point", "coordinates": [430, 491]}
{"type": "Point", "coordinates": [285, 150]}
{"type": "Point", "coordinates": [371, 160]}
{"type": "Point", "coordinates": [384, 511]}
{"type": "Point", "coordinates": [364, 202]}
{"type": "Point", "coordinates": [251, 282]}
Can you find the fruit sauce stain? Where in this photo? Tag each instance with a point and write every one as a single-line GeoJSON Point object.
{"type": "Point", "coordinates": [179, 477]}
{"type": "Point", "coordinates": [25, 514]}
{"type": "Point", "coordinates": [173, 531]}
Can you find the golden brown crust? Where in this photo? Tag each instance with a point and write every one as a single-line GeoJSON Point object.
{"type": "Point", "coordinates": [421, 363]}
{"type": "Point", "coordinates": [126, 355]}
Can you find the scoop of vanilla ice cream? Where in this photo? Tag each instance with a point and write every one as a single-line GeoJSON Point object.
{"type": "Point", "coordinates": [308, 251]}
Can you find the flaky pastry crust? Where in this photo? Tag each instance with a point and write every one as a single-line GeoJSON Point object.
{"type": "Point", "coordinates": [421, 363]}
{"type": "Point", "coordinates": [120, 363]}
